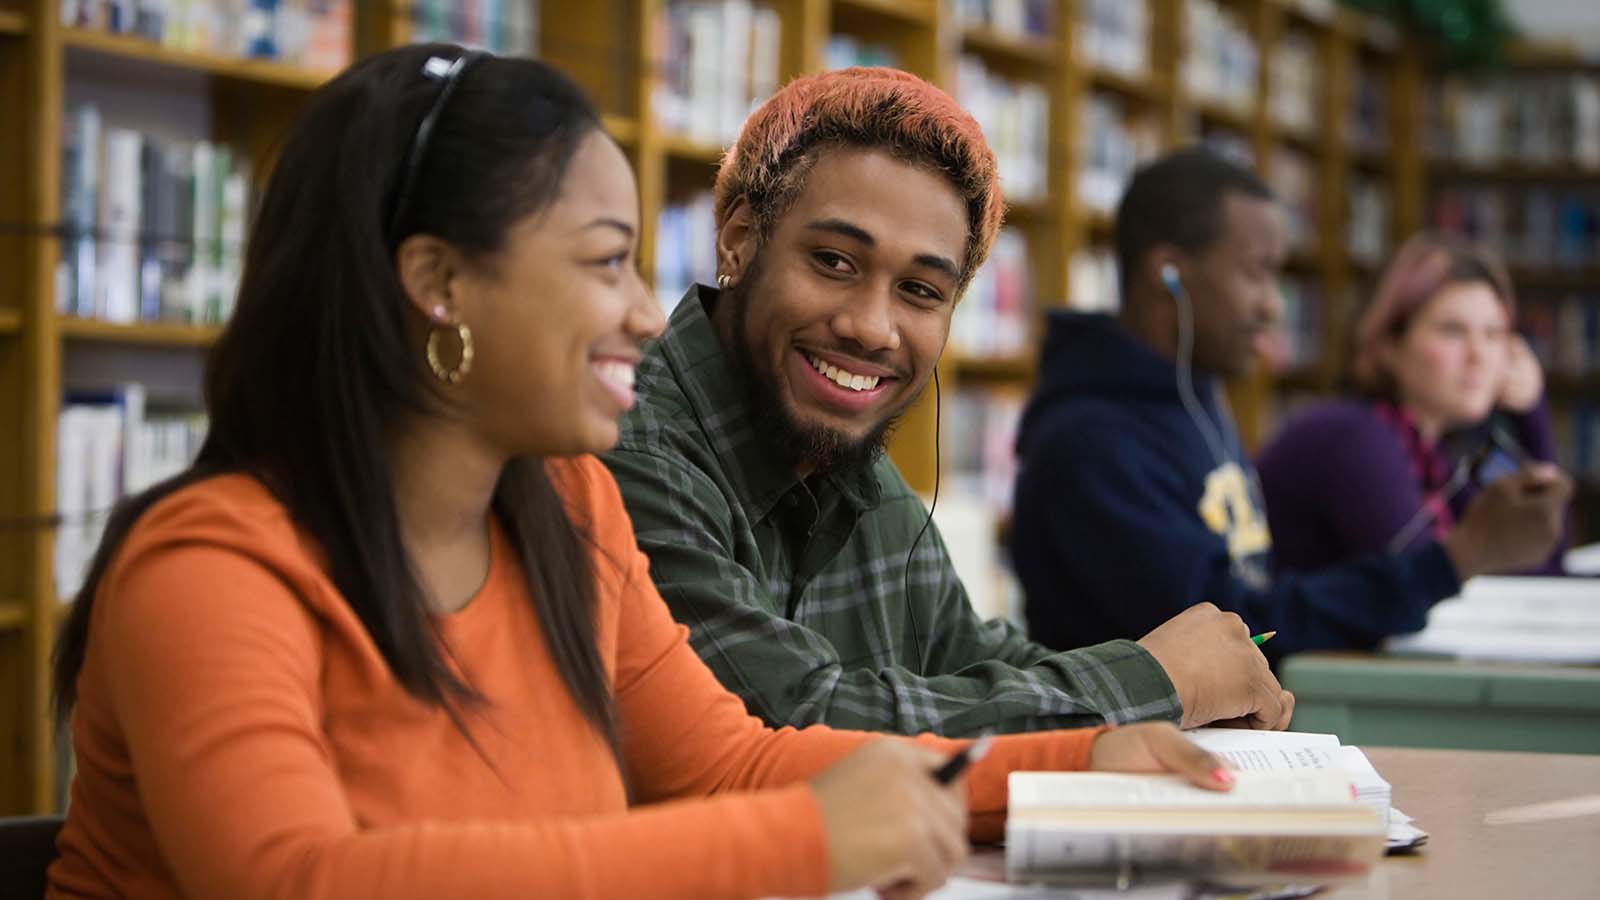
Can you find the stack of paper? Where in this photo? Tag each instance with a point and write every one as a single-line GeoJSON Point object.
{"type": "Point", "coordinates": [1551, 620]}
{"type": "Point", "coordinates": [1583, 560]}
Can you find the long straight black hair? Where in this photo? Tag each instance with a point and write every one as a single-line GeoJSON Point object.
{"type": "Point", "coordinates": [316, 366]}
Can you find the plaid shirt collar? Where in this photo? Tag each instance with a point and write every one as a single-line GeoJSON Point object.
{"type": "Point", "coordinates": [718, 393]}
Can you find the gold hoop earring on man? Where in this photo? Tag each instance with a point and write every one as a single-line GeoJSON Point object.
{"type": "Point", "coordinates": [450, 374]}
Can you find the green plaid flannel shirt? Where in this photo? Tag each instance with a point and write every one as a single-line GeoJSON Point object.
{"type": "Point", "coordinates": [796, 593]}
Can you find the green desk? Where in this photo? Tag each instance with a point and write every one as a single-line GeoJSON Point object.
{"type": "Point", "coordinates": [1401, 702]}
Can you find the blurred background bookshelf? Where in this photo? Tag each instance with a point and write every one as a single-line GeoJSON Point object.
{"type": "Point", "coordinates": [1513, 161]}
{"type": "Point", "coordinates": [144, 129]}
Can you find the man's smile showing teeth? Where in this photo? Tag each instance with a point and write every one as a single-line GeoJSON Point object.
{"type": "Point", "coordinates": [841, 377]}
{"type": "Point", "coordinates": [615, 374]}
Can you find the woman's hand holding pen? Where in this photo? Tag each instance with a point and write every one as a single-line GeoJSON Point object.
{"type": "Point", "coordinates": [1158, 747]}
{"type": "Point", "coordinates": [890, 825]}
{"type": "Point", "coordinates": [1514, 523]}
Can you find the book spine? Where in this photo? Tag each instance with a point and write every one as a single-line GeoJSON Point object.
{"type": "Point", "coordinates": [120, 208]}
{"type": "Point", "coordinates": [733, 99]}
{"type": "Point", "coordinates": [86, 215]}
{"type": "Point", "coordinates": [259, 29]}
{"type": "Point", "coordinates": [705, 78]}
{"type": "Point", "coordinates": [765, 47]}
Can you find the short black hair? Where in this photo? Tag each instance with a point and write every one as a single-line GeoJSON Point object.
{"type": "Point", "coordinates": [1177, 200]}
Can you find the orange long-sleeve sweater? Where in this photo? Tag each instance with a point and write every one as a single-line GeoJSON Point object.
{"type": "Point", "coordinates": [238, 735]}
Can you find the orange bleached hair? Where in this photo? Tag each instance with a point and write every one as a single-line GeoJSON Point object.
{"type": "Point", "coordinates": [871, 108]}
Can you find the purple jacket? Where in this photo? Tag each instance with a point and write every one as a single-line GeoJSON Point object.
{"type": "Point", "coordinates": [1339, 485]}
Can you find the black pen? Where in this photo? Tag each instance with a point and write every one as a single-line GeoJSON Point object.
{"type": "Point", "coordinates": [962, 758]}
{"type": "Point", "coordinates": [1500, 437]}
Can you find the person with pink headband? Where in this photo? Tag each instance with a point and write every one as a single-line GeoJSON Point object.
{"type": "Point", "coordinates": [1451, 397]}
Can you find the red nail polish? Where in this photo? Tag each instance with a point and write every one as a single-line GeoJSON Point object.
{"type": "Point", "coordinates": [1222, 776]}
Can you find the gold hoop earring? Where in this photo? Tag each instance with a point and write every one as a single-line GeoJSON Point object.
{"type": "Point", "coordinates": [463, 364]}
{"type": "Point", "coordinates": [724, 281]}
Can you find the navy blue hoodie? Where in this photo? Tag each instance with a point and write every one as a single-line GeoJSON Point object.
{"type": "Point", "coordinates": [1126, 514]}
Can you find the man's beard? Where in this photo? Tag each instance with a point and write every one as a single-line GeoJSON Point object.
{"type": "Point", "coordinates": [802, 444]}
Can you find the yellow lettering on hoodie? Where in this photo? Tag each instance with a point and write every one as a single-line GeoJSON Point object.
{"type": "Point", "coordinates": [1228, 509]}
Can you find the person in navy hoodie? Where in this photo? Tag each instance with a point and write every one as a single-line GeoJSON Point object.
{"type": "Point", "coordinates": [1135, 498]}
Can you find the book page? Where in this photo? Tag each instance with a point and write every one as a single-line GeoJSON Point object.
{"type": "Point", "coordinates": [1103, 790]}
{"type": "Point", "coordinates": [1249, 750]}
{"type": "Point", "coordinates": [1293, 750]}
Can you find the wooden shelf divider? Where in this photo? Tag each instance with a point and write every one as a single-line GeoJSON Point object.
{"type": "Point", "coordinates": [13, 22]}
{"type": "Point", "coordinates": [171, 334]}
{"type": "Point", "coordinates": [245, 70]}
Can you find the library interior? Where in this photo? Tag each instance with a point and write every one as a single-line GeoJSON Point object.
{"type": "Point", "coordinates": [1453, 144]}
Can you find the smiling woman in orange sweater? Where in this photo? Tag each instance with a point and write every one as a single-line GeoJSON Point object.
{"type": "Point", "coordinates": [391, 634]}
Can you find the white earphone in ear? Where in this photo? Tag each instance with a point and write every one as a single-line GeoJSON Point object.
{"type": "Point", "coordinates": [1169, 277]}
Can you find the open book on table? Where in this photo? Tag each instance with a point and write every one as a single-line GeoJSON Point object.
{"type": "Point", "coordinates": [1285, 751]}
{"type": "Point", "coordinates": [1273, 827]}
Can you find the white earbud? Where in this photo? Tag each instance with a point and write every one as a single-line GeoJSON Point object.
{"type": "Point", "coordinates": [1169, 277]}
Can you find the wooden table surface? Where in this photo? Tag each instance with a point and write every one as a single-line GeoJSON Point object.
{"type": "Point", "coordinates": [1449, 793]}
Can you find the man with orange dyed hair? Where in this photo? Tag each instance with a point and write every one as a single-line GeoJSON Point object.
{"type": "Point", "coordinates": [852, 213]}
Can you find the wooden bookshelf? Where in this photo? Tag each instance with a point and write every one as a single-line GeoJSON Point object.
{"type": "Point", "coordinates": [1557, 277]}
{"type": "Point", "coordinates": [1030, 211]}
{"type": "Point", "coordinates": [1375, 161]}
{"type": "Point", "coordinates": [1515, 171]}
{"type": "Point", "coordinates": [247, 104]}
{"type": "Point", "coordinates": [687, 149]}
{"type": "Point", "coordinates": [917, 13]}
{"type": "Point", "coordinates": [247, 71]}
{"type": "Point", "coordinates": [1568, 387]}
{"type": "Point", "coordinates": [1135, 88]}
{"type": "Point", "coordinates": [1304, 379]}
{"type": "Point", "coordinates": [1004, 369]}
{"type": "Point", "coordinates": [13, 615]}
{"type": "Point", "coordinates": [1006, 49]}
{"type": "Point", "coordinates": [1098, 223]}
{"type": "Point", "coordinates": [623, 129]}
{"type": "Point", "coordinates": [1303, 260]}
{"type": "Point", "coordinates": [160, 334]}
{"type": "Point", "coordinates": [1304, 141]}
{"type": "Point", "coordinates": [1303, 15]}
{"type": "Point", "coordinates": [1235, 118]}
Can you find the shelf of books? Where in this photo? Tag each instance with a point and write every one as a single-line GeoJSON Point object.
{"type": "Point", "coordinates": [147, 127]}
{"type": "Point", "coordinates": [1514, 163]}
{"type": "Point", "coordinates": [1014, 70]}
